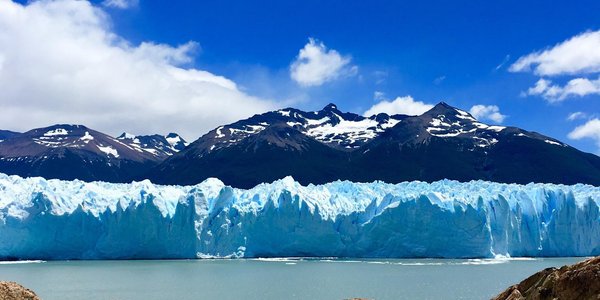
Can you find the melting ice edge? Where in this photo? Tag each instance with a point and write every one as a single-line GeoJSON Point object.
{"type": "Point", "coordinates": [53, 219]}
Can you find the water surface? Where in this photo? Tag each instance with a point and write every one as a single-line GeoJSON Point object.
{"type": "Point", "coordinates": [275, 278]}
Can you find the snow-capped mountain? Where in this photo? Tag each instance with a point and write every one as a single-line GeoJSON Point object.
{"type": "Point", "coordinates": [77, 152]}
{"type": "Point", "coordinates": [328, 126]}
{"type": "Point", "coordinates": [314, 147]}
{"type": "Point", "coordinates": [158, 145]}
{"type": "Point", "coordinates": [445, 121]}
{"type": "Point", "coordinates": [326, 145]}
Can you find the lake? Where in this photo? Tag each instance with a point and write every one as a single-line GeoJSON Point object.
{"type": "Point", "coordinates": [275, 278]}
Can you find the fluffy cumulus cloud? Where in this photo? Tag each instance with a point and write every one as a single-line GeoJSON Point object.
{"type": "Point", "coordinates": [577, 57]}
{"type": "Point", "coordinates": [577, 87]}
{"type": "Point", "coordinates": [316, 65]}
{"type": "Point", "coordinates": [401, 105]}
{"type": "Point", "coordinates": [487, 112]}
{"type": "Point", "coordinates": [589, 130]}
{"type": "Point", "coordinates": [60, 62]}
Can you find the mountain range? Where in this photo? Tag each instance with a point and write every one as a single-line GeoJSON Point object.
{"type": "Point", "coordinates": [313, 147]}
{"type": "Point", "coordinates": [77, 152]}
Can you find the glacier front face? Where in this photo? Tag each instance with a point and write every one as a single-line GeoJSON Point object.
{"type": "Point", "coordinates": [52, 219]}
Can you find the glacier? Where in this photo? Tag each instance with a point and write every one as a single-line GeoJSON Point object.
{"type": "Point", "coordinates": [54, 219]}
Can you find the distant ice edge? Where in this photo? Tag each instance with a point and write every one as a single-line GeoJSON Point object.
{"type": "Point", "coordinates": [53, 219]}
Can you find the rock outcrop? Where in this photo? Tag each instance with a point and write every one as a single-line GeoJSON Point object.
{"type": "Point", "coordinates": [578, 281]}
{"type": "Point", "coordinates": [13, 291]}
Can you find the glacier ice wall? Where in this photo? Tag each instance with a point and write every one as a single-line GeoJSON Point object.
{"type": "Point", "coordinates": [53, 219]}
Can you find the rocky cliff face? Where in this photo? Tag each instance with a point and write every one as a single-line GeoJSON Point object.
{"type": "Point", "coordinates": [578, 281]}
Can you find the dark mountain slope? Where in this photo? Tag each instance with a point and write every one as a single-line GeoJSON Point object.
{"type": "Point", "coordinates": [75, 152]}
{"type": "Point", "coordinates": [447, 143]}
{"type": "Point", "coordinates": [317, 147]}
{"type": "Point", "coordinates": [7, 134]}
{"type": "Point", "coordinates": [267, 156]}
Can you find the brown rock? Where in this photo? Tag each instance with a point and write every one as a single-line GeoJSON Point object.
{"type": "Point", "coordinates": [13, 291]}
{"type": "Point", "coordinates": [578, 281]}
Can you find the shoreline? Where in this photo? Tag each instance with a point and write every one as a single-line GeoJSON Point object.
{"type": "Point", "coordinates": [299, 258]}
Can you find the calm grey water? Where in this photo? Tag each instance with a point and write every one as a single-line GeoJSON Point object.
{"type": "Point", "coordinates": [274, 278]}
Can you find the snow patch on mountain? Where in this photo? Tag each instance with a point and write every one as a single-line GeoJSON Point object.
{"type": "Point", "coordinates": [329, 125]}
{"type": "Point", "coordinates": [450, 122]}
{"type": "Point", "coordinates": [108, 150]}
{"type": "Point", "coordinates": [127, 136]}
{"type": "Point", "coordinates": [58, 131]}
{"type": "Point", "coordinates": [157, 145]}
{"type": "Point", "coordinates": [346, 131]}
{"type": "Point", "coordinates": [175, 140]}
{"type": "Point", "coordinates": [553, 143]}
{"type": "Point", "coordinates": [86, 137]}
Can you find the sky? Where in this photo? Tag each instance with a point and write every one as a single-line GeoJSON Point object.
{"type": "Point", "coordinates": [149, 67]}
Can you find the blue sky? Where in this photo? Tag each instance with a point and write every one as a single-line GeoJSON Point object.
{"type": "Point", "coordinates": [459, 52]}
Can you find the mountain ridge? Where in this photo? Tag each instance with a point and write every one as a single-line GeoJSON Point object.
{"type": "Point", "coordinates": [65, 151]}
{"type": "Point", "coordinates": [312, 146]}
{"type": "Point", "coordinates": [444, 142]}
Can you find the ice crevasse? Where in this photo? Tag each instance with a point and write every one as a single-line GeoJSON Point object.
{"type": "Point", "coordinates": [54, 219]}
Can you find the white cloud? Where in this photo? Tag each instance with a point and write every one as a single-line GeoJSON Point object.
{"type": "Point", "coordinates": [378, 95]}
{"type": "Point", "coordinates": [60, 62]}
{"type": "Point", "coordinates": [576, 116]}
{"type": "Point", "coordinates": [487, 112]}
{"type": "Point", "coordinates": [504, 61]}
{"type": "Point", "coordinates": [316, 65]}
{"type": "Point", "coordinates": [575, 87]}
{"type": "Point", "coordinates": [439, 80]}
{"type": "Point", "coordinates": [589, 130]}
{"type": "Point", "coordinates": [120, 4]}
{"type": "Point", "coordinates": [166, 54]}
{"type": "Point", "coordinates": [380, 76]}
{"type": "Point", "coordinates": [577, 55]}
{"type": "Point", "coordinates": [401, 105]}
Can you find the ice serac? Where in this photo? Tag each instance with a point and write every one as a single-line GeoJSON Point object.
{"type": "Point", "coordinates": [53, 219]}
